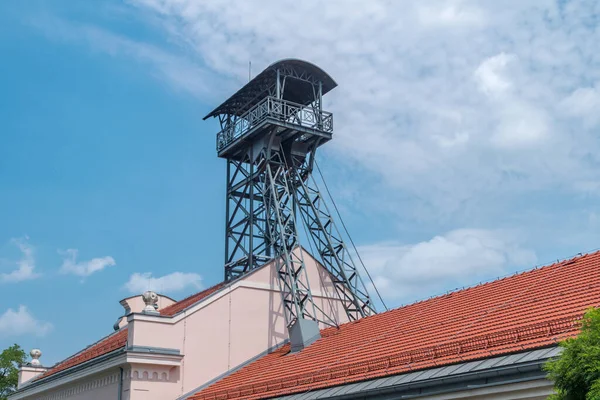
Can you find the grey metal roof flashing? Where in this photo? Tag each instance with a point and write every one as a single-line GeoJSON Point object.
{"type": "Point", "coordinates": [520, 367]}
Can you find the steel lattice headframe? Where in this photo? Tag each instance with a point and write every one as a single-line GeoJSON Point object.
{"type": "Point", "coordinates": [270, 131]}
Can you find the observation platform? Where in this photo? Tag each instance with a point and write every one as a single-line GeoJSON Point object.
{"type": "Point", "coordinates": [285, 100]}
{"type": "Point", "coordinates": [293, 121]}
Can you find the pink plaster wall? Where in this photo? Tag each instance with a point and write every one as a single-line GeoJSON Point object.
{"type": "Point", "coordinates": [152, 382]}
{"type": "Point", "coordinates": [155, 332]}
{"type": "Point", "coordinates": [27, 373]}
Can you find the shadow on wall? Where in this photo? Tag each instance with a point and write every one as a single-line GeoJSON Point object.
{"type": "Point", "coordinates": [328, 289]}
{"type": "Point", "coordinates": [276, 313]}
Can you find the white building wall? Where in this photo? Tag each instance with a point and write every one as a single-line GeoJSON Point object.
{"type": "Point", "coordinates": [103, 386]}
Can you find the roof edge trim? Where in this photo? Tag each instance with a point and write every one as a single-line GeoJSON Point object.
{"type": "Point", "coordinates": [328, 81]}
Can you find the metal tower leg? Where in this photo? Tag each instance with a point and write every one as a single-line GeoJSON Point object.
{"type": "Point", "coordinates": [330, 246]}
{"type": "Point", "coordinates": [293, 280]}
{"type": "Point", "coordinates": [246, 243]}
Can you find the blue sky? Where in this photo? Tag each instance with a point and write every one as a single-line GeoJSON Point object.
{"type": "Point", "coordinates": [466, 144]}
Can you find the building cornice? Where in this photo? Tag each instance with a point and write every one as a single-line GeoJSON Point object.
{"type": "Point", "coordinates": [139, 355]}
{"type": "Point", "coordinates": [502, 374]}
{"type": "Point", "coordinates": [83, 370]}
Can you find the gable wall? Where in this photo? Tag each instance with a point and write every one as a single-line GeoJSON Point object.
{"type": "Point", "coordinates": [230, 327]}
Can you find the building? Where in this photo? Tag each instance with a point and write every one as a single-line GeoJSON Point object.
{"type": "Point", "coordinates": [484, 342]}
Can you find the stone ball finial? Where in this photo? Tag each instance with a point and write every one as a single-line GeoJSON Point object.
{"type": "Point", "coordinates": [150, 299]}
{"type": "Point", "coordinates": [35, 357]}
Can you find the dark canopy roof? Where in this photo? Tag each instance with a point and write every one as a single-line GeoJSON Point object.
{"type": "Point", "coordinates": [295, 90]}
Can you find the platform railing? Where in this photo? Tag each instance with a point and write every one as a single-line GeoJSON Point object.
{"type": "Point", "coordinates": [281, 110]}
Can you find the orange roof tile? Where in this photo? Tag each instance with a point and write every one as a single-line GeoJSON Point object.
{"type": "Point", "coordinates": [529, 310]}
{"type": "Point", "coordinates": [110, 343]}
{"type": "Point", "coordinates": [119, 339]}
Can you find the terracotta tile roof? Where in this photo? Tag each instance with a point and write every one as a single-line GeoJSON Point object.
{"type": "Point", "coordinates": [525, 311]}
{"type": "Point", "coordinates": [119, 339]}
{"type": "Point", "coordinates": [187, 302]}
{"type": "Point", "coordinates": [110, 343]}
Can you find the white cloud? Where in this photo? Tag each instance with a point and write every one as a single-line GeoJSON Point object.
{"type": "Point", "coordinates": [26, 265]}
{"type": "Point", "coordinates": [491, 74]}
{"type": "Point", "coordinates": [179, 72]}
{"type": "Point", "coordinates": [584, 104]}
{"type": "Point", "coordinates": [518, 122]}
{"type": "Point", "coordinates": [406, 83]}
{"type": "Point", "coordinates": [174, 282]}
{"type": "Point", "coordinates": [70, 264]}
{"type": "Point", "coordinates": [21, 322]}
{"type": "Point", "coordinates": [450, 13]}
{"type": "Point", "coordinates": [461, 257]}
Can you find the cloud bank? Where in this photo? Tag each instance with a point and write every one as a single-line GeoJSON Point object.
{"type": "Point", "coordinates": [458, 258]}
{"type": "Point", "coordinates": [22, 322]}
{"type": "Point", "coordinates": [174, 282]}
{"type": "Point", "coordinates": [447, 100]}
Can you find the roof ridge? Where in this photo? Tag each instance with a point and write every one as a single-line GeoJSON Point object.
{"type": "Point", "coordinates": [201, 295]}
{"type": "Point", "coordinates": [537, 267]}
{"type": "Point", "coordinates": [87, 347]}
{"type": "Point", "coordinates": [57, 367]}
{"type": "Point", "coordinates": [197, 293]}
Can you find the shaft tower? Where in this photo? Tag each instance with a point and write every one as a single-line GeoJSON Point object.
{"type": "Point", "coordinates": [270, 131]}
